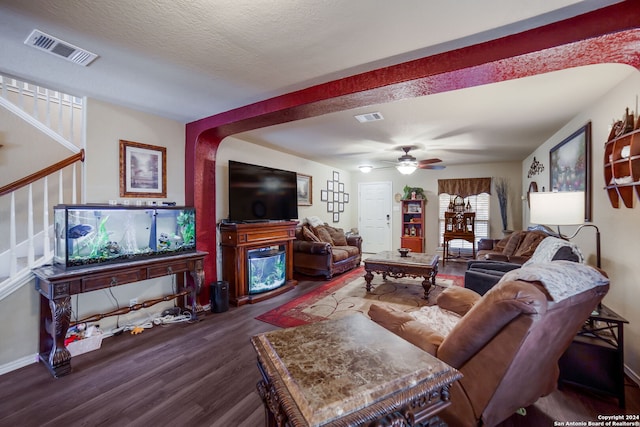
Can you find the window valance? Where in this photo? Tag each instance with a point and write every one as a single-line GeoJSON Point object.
{"type": "Point", "coordinates": [464, 187]}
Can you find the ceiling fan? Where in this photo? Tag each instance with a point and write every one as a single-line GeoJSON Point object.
{"type": "Point", "coordinates": [407, 163]}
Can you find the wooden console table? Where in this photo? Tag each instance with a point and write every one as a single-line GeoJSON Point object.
{"type": "Point", "coordinates": [56, 285]}
{"type": "Point", "coordinates": [237, 239]}
{"type": "Point", "coordinates": [349, 372]}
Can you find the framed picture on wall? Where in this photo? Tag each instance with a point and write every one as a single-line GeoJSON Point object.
{"type": "Point", "coordinates": [143, 170]}
{"type": "Point", "coordinates": [324, 195]}
{"type": "Point", "coordinates": [330, 185]}
{"type": "Point", "coordinates": [329, 206]}
{"type": "Point", "coordinates": [336, 217]}
{"type": "Point", "coordinates": [570, 166]}
{"type": "Point", "coordinates": [304, 190]}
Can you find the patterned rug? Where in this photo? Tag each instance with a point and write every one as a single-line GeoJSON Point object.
{"type": "Point", "coordinates": [347, 294]}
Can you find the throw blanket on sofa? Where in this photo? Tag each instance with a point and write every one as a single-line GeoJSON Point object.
{"type": "Point", "coordinates": [548, 248]}
{"type": "Point", "coordinates": [562, 279]}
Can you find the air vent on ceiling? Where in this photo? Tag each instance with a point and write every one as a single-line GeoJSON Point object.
{"type": "Point", "coordinates": [55, 46]}
{"type": "Point", "coordinates": [369, 117]}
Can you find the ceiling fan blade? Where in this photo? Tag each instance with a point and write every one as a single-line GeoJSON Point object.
{"type": "Point", "coordinates": [432, 167]}
{"type": "Point", "coordinates": [429, 161]}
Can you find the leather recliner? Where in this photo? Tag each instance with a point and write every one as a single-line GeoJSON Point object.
{"type": "Point", "coordinates": [506, 343]}
{"type": "Point", "coordinates": [483, 275]}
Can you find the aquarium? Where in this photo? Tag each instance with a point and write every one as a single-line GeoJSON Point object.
{"type": "Point", "coordinates": [266, 269]}
{"type": "Point", "coordinates": [96, 234]}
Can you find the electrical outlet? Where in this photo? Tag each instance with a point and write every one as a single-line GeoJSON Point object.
{"type": "Point", "coordinates": [133, 301]}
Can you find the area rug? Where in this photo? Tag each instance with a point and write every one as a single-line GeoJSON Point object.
{"type": "Point", "coordinates": [347, 294]}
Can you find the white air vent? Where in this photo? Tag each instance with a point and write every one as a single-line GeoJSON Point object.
{"type": "Point", "coordinates": [55, 46]}
{"type": "Point", "coordinates": [369, 117]}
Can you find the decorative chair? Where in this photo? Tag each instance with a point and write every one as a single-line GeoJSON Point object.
{"type": "Point", "coordinates": [506, 343]}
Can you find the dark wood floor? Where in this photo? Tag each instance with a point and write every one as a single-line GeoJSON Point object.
{"type": "Point", "coordinates": [202, 374]}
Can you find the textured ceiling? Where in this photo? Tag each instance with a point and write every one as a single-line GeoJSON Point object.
{"type": "Point", "coordinates": [189, 59]}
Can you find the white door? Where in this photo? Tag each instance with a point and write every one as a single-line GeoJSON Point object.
{"type": "Point", "coordinates": [374, 216]}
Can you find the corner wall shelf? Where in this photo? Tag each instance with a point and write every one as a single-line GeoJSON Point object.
{"type": "Point", "coordinates": [622, 168]}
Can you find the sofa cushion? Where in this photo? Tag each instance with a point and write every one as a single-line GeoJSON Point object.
{"type": "Point", "coordinates": [337, 235]}
{"type": "Point", "coordinates": [323, 234]}
{"type": "Point", "coordinates": [529, 244]}
{"type": "Point", "coordinates": [308, 235]}
{"type": "Point", "coordinates": [514, 241]}
{"type": "Point", "coordinates": [350, 250]}
{"type": "Point", "coordinates": [339, 254]}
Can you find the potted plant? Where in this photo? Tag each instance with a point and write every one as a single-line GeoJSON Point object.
{"type": "Point", "coordinates": [408, 192]}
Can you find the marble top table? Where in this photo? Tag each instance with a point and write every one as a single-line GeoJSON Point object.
{"type": "Point", "coordinates": [347, 372]}
{"type": "Point", "coordinates": [415, 264]}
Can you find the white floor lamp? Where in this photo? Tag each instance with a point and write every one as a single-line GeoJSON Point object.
{"type": "Point", "coordinates": [562, 208]}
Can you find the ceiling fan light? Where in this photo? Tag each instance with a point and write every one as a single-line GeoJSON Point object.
{"type": "Point", "coordinates": [406, 168]}
{"type": "Point", "coordinates": [365, 168]}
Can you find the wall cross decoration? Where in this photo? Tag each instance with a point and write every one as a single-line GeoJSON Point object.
{"type": "Point", "coordinates": [335, 196]}
{"type": "Point", "coordinates": [535, 168]}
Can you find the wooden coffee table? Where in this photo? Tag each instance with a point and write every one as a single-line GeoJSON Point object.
{"type": "Point", "coordinates": [349, 372]}
{"type": "Point", "coordinates": [390, 263]}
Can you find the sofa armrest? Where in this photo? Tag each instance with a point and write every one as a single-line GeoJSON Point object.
{"type": "Point", "coordinates": [486, 244]}
{"type": "Point", "coordinates": [495, 256]}
{"type": "Point", "coordinates": [354, 240]}
{"type": "Point", "coordinates": [492, 265]}
{"type": "Point", "coordinates": [317, 248]}
{"type": "Point", "coordinates": [457, 299]}
{"type": "Point", "coordinates": [516, 259]}
{"type": "Point", "coordinates": [405, 326]}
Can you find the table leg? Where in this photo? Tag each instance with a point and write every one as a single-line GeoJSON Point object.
{"type": "Point", "coordinates": [53, 330]}
{"type": "Point", "coordinates": [426, 284]}
{"type": "Point", "coordinates": [367, 277]}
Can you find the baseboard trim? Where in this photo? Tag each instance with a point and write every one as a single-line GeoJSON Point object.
{"type": "Point", "coordinates": [19, 363]}
{"type": "Point", "coordinates": [632, 375]}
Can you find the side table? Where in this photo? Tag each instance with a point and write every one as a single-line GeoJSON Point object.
{"type": "Point", "coordinates": [595, 358]}
{"type": "Point", "coordinates": [349, 372]}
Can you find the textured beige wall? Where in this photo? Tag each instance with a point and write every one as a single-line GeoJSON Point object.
{"type": "Point", "coordinates": [619, 228]}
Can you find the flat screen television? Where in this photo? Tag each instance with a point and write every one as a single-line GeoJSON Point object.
{"type": "Point", "coordinates": [260, 193]}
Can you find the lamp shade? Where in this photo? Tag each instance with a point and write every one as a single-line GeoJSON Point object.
{"type": "Point", "coordinates": [365, 168]}
{"type": "Point", "coordinates": [557, 208]}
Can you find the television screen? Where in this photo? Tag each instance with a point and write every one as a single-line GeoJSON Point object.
{"type": "Point", "coordinates": [260, 193]}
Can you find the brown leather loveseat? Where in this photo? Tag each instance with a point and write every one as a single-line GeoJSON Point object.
{"type": "Point", "coordinates": [506, 343]}
{"type": "Point", "coordinates": [516, 248]}
{"type": "Point", "coordinates": [324, 250]}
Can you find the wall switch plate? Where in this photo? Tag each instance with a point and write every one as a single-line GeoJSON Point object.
{"type": "Point", "coordinates": [133, 301]}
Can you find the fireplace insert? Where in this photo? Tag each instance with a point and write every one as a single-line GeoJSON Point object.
{"type": "Point", "coordinates": [266, 268]}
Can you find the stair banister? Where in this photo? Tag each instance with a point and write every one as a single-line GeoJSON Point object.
{"type": "Point", "coordinates": [9, 188]}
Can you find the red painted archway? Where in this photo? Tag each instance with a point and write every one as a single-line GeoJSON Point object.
{"type": "Point", "coordinates": [608, 35]}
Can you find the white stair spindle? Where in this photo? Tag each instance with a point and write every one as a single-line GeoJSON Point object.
{"type": "Point", "coordinates": [74, 190]}
{"type": "Point", "coordinates": [46, 245]}
{"type": "Point", "coordinates": [60, 188]}
{"type": "Point", "coordinates": [13, 267]}
{"type": "Point", "coordinates": [30, 246]}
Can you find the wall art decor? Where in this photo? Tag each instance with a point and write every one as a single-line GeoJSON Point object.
{"type": "Point", "coordinates": [570, 166]}
{"type": "Point", "coordinates": [535, 168]}
{"type": "Point", "coordinates": [143, 170]}
{"type": "Point", "coordinates": [304, 190]}
{"type": "Point", "coordinates": [335, 196]}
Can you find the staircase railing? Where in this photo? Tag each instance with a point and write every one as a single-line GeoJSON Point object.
{"type": "Point", "coordinates": [41, 243]}
{"type": "Point", "coordinates": [60, 117]}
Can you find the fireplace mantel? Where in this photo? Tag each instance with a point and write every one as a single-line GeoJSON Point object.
{"type": "Point", "coordinates": [237, 239]}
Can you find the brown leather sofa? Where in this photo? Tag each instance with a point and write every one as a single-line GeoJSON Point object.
{"type": "Point", "coordinates": [325, 251]}
{"type": "Point", "coordinates": [506, 343]}
{"type": "Point", "coordinates": [516, 248]}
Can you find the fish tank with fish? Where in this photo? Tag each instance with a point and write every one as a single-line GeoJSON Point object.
{"type": "Point", "coordinates": [87, 235]}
